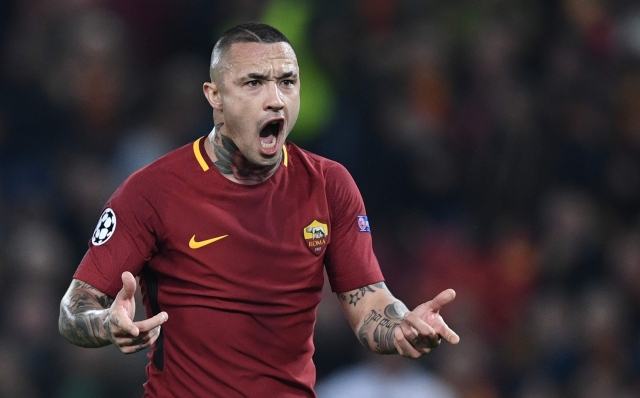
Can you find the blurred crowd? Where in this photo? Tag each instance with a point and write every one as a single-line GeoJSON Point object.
{"type": "Point", "coordinates": [496, 144]}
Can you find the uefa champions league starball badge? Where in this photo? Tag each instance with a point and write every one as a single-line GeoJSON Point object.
{"type": "Point", "coordinates": [105, 228]}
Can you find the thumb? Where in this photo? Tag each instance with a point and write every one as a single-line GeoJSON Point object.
{"type": "Point", "coordinates": [442, 299]}
{"type": "Point", "coordinates": [128, 286]}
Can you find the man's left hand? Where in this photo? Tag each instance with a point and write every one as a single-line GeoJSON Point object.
{"type": "Point", "coordinates": [423, 328]}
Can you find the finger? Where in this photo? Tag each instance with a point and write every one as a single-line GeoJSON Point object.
{"type": "Point", "coordinates": [423, 329]}
{"type": "Point", "coordinates": [447, 333]}
{"type": "Point", "coordinates": [133, 349]}
{"type": "Point", "coordinates": [423, 339]}
{"type": "Point", "coordinates": [142, 338]}
{"type": "Point", "coordinates": [148, 324]}
{"type": "Point", "coordinates": [404, 346]}
{"type": "Point", "coordinates": [123, 325]}
{"type": "Point", "coordinates": [442, 299]}
{"type": "Point", "coordinates": [418, 342]}
{"type": "Point", "coordinates": [128, 286]}
{"type": "Point", "coordinates": [430, 341]}
{"type": "Point", "coordinates": [155, 333]}
{"type": "Point", "coordinates": [422, 346]}
{"type": "Point", "coordinates": [130, 346]}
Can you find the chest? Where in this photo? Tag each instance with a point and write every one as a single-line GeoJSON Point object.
{"type": "Point", "coordinates": [266, 240]}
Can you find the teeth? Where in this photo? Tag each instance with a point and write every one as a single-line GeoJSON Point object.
{"type": "Point", "coordinates": [270, 144]}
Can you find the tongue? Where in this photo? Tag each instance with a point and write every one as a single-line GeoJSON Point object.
{"type": "Point", "coordinates": [268, 144]}
{"type": "Point", "coordinates": [268, 139]}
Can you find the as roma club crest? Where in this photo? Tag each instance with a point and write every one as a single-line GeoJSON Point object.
{"type": "Point", "coordinates": [316, 236]}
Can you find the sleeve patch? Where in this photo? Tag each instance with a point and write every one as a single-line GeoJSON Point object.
{"type": "Point", "coordinates": [363, 224]}
{"type": "Point", "coordinates": [105, 228]}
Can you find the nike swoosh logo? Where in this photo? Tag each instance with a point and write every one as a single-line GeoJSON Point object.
{"type": "Point", "coordinates": [196, 245]}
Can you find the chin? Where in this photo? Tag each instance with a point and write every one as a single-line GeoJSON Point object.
{"type": "Point", "coordinates": [270, 161]}
{"type": "Point", "coordinates": [264, 160]}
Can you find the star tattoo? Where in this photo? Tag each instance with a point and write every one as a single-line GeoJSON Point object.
{"type": "Point", "coordinates": [354, 299]}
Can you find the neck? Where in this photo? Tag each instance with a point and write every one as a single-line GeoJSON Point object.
{"type": "Point", "coordinates": [233, 164]}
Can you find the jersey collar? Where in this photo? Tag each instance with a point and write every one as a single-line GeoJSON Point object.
{"type": "Point", "coordinates": [205, 162]}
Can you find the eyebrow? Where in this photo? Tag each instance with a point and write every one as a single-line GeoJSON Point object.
{"type": "Point", "coordinates": [256, 75]}
{"type": "Point", "coordinates": [262, 76]}
{"type": "Point", "coordinates": [287, 74]}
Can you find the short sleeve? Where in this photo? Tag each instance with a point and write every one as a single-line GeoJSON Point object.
{"type": "Point", "coordinates": [125, 237]}
{"type": "Point", "coordinates": [350, 261]}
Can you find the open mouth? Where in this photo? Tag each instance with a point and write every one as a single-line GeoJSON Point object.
{"type": "Point", "coordinates": [269, 136]}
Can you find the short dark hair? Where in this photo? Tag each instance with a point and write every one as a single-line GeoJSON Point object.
{"type": "Point", "coordinates": [248, 32]}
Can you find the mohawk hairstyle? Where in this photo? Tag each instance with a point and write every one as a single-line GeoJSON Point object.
{"type": "Point", "coordinates": [249, 32]}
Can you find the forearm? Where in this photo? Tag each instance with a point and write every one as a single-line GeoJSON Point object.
{"type": "Point", "coordinates": [84, 315]}
{"type": "Point", "coordinates": [379, 314]}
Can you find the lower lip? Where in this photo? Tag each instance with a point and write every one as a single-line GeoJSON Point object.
{"type": "Point", "coordinates": [270, 151]}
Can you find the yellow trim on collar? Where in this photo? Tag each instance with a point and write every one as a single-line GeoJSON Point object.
{"type": "Point", "coordinates": [196, 151]}
{"type": "Point", "coordinates": [285, 159]}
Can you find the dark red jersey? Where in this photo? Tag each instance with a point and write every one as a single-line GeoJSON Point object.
{"type": "Point", "coordinates": [238, 268]}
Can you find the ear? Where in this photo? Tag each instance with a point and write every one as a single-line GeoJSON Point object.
{"type": "Point", "coordinates": [212, 93]}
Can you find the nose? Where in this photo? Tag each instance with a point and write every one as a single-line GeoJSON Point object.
{"type": "Point", "coordinates": [274, 100]}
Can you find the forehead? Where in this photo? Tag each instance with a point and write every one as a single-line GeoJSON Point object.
{"type": "Point", "coordinates": [242, 57]}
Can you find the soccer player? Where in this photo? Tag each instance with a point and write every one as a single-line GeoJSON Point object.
{"type": "Point", "coordinates": [229, 237]}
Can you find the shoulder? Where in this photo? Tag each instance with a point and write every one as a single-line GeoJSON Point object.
{"type": "Point", "coordinates": [162, 175]}
{"type": "Point", "coordinates": [320, 166]}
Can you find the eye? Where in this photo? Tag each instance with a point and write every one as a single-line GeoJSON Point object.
{"type": "Point", "coordinates": [288, 82]}
{"type": "Point", "coordinates": [252, 83]}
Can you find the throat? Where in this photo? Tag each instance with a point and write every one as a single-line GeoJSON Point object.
{"type": "Point", "coordinates": [235, 166]}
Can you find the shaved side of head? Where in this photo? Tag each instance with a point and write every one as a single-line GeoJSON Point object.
{"type": "Point", "coordinates": [250, 32]}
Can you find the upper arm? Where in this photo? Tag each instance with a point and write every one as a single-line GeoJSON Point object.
{"type": "Point", "coordinates": [126, 236]}
{"type": "Point", "coordinates": [349, 259]}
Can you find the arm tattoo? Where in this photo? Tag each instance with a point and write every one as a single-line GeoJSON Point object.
{"type": "Point", "coordinates": [83, 319]}
{"type": "Point", "coordinates": [381, 327]}
{"type": "Point", "coordinates": [360, 292]}
{"type": "Point", "coordinates": [377, 330]}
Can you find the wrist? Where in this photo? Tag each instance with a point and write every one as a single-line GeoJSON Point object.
{"type": "Point", "coordinates": [106, 326]}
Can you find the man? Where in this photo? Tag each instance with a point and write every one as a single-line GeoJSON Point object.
{"type": "Point", "coordinates": [229, 236]}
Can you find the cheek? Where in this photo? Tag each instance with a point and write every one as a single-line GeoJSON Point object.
{"type": "Point", "coordinates": [237, 127]}
{"type": "Point", "coordinates": [230, 105]}
{"type": "Point", "coordinates": [234, 112]}
{"type": "Point", "coordinates": [292, 100]}
{"type": "Point", "coordinates": [294, 110]}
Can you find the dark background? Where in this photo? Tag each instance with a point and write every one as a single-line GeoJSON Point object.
{"type": "Point", "coordinates": [496, 144]}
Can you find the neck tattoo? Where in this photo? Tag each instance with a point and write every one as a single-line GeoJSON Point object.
{"type": "Point", "coordinates": [230, 161]}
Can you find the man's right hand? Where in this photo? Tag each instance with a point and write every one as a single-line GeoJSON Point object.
{"type": "Point", "coordinates": [122, 331]}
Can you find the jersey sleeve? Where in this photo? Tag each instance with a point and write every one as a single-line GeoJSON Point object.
{"type": "Point", "coordinates": [125, 237]}
{"type": "Point", "coordinates": [349, 260]}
